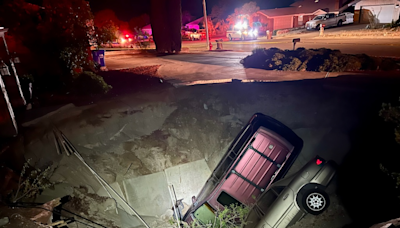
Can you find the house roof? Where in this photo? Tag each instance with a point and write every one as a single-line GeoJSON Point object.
{"type": "Point", "coordinates": [278, 11]}
{"type": "Point", "coordinates": [313, 5]}
{"type": "Point", "coordinates": [287, 11]}
{"type": "Point", "coordinates": [147, 26]}
{"type": "Point", "coordinates": [196, 22]}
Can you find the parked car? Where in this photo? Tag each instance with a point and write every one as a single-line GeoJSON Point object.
{"type": "Point", "coordinates": [192, 34]}
{"type": "Point", "coordinates": [329, 20]}
{"type": "Point", "coordinates": [261, 154]}
{"type": "Point", "coordinates": [287, 200]}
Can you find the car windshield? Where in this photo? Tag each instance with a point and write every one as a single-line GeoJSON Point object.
{"type": "Point", "coordinates": [318, 17]}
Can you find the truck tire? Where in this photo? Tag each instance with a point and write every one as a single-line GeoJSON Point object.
{"type": "Point", "coordinates": [340, 23]}
{"type": "Point", "coordinates": [230, 37]}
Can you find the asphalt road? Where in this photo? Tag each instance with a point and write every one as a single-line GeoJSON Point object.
{"type": "Point", "coordinates": [375, 47]}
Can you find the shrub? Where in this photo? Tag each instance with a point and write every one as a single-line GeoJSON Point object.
{"type": "Point", "coordinates": [90, 83]}
{"type": "Point", "coordinates": [233, 216]}
{"type": "Point", "coordinates": [31, 185]}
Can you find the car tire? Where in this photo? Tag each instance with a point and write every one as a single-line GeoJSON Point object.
{"type": "Point", "coordinates": [315, 201]}
{"type": "Point", "coordinates": [230, 37]}
{"type": "Point", "coordinates": [340, 23]}
{"type": "Point", "coordinates": [317, 27]}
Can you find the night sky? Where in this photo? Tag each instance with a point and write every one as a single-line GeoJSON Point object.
{"type": "Point", "coordinates": [126, 9]}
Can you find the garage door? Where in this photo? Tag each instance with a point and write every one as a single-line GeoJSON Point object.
{"type": "Point", "coordinates": [282, 22]}
{"type": "Point", "coordinates": [384, 12]}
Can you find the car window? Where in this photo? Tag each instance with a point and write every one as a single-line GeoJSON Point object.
{"type": "Point", "coordinates": [278, 190]}
{"type": "Point", "coordinates": [227, 200]}
{"type": "Point", "coordinates": [205, 214]}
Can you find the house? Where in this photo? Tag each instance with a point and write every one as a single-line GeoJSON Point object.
{"type": "Point", "coordinates": [385, 11]}
{"type": "Point", "coordinates": [296, 15]}
{"type": "Point", "coordinates": [147, 29]}
{"type": "Point", "coordinates": [195, 24]}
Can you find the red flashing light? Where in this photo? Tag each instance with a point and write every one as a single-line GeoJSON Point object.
{"type": "Point", "coordinates": [126, 36]}
{"type": "Point", "coordinates": [318, 162]}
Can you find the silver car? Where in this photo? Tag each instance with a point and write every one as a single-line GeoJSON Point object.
{"type": "Point", "coordinates": [287, 200]}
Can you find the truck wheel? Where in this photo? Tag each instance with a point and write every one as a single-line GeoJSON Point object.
{"type": "Point", "coordinates": [315, 201]}
{"type": "Point", "coordinates": [230, 37]}
{"type": "Point", "coordinates": [340, 23]}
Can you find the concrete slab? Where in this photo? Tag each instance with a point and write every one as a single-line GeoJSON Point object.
{"type": "Point", "coordinates": [148, 194]}
{"type": "Point", "coordinates": [188, 179]}
{"type": "Point", "coordinates": [59, 191]}
{"type": "Point", "coordinates": [115, 186]}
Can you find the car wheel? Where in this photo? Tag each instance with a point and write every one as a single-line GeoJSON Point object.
{"type": "Point", "coordinates": [315, 201]}
{"type": "Point", "coordinates": [340, 23]}
{"type": "Point", "coordinates": [230, 37]}
{"type": "Point", "coordinates": [317, 27]}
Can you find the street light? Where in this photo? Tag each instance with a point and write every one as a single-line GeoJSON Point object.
{"type": "Point", "coordinates": [206, 22]}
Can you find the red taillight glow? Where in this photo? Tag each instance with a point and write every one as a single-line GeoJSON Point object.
{"type": "Point", "coordinates": [126, 36]}
{"type": "Point", "coordinates": [318, 162]}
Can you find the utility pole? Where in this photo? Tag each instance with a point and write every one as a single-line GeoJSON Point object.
{"type": "Point", "coordinates": [206, 22]}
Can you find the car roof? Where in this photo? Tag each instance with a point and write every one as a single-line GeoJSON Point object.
{"type": "Point", "coordinates": [257, 121]}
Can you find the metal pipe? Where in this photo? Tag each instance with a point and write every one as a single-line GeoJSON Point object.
{"type": "Point", "coordinates": [206, 22]}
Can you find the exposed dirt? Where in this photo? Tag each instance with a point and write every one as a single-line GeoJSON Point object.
{"type": "Point", "coordinates": [19, 217]}
{"type": "Point", "coordinates": [157, 126]}
{"type": "Point", "coordinates": [101, 210]}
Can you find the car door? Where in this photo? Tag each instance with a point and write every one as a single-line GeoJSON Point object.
{"type": "Point", "coordinates": [331, 20]}
{"type": "Point", "coordinates": [262, 207]}
{"type": "Point", "coordinates": [277, 208]}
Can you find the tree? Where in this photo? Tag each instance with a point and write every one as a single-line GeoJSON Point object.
{"type": "Point", "coordinates": [166, 23]}
{"type": "Point", "coordinates": [66, 27]}
{"type": "Point", "coordinates": [107, 17]}
{"type": "Point", "coordinates": [186, 17]}
{"type": "Point", "coordinates": [249, 8]}
{"type": "Point", "coordinates": [244, 13]}
{"type": "Point", "coordinates": [139, 22]}
{"type": "Point", "coordinates": [218, 13]}
{"type": "Point", "coordinates": [210, 24]}
{"type": "Point", "coordinates": [104, 17]}
{"type": "Point", "coordinates": [105, 34]}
